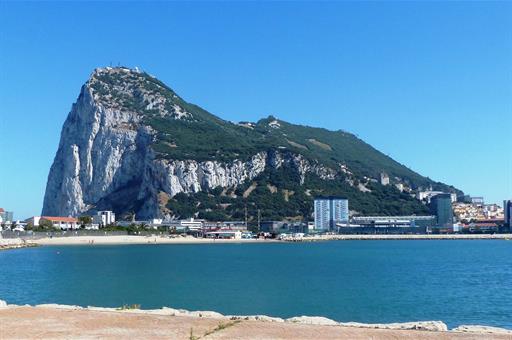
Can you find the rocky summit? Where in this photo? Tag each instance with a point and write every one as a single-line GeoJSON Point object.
{"type": "Point", "coordinates": [132, 145]}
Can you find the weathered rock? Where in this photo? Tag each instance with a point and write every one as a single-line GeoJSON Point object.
{"type": "Point", "coordinates": [481, 329]}
{"type": "Point", "coordinates": [57, 306]}
{"type": "Point", "coordinates": [105, 157]}
{"type": "Point", "coordinates": [435, 326]}
{"type": "Point", "coordinates": [205, 314]}
{"type": "Point", "coordinates": [255, 318]}
{"type": "Point", "coordinates": [312, 320]}
{"type": "Point", "coordinates": [183, 312]}
{"type": "Point", "coordinates": [114, 151]}
{"type": "Point", "coordinates": [173, 311]}
{"type": "Point", "coordinates": [103, 309]}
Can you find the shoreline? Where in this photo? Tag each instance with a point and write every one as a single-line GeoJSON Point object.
{"type": "Point", "coordinates": [16, 243]}
{"type": "Point", "coordinates": [135, 239]}
{"type": "Point", "coordinates": [49, 321]}
{"type": "Point", "coordinates": [404, 237]}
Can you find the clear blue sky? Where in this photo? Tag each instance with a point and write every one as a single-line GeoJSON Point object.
{"type": "Point", "coordinates": [430, 84]}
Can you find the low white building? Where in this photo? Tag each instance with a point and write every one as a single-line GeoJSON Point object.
{"type": "Point", "coordinates": [104, 218]}
{"type": "Point", "coordinates": [58, 222]}
{"type": "Point", "coordinates": [225, 234]}
{"type": "Point", "coordinates": [188, 224]}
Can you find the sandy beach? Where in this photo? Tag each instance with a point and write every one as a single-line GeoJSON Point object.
{"type": "Point", "coordinates": [158, 239]}
{"type": "Point", "coordinates": [65, 322]}
{"type": "Point", "coordinates": [134, 239]}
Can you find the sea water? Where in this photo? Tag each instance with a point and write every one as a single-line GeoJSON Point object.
{"type": "Point", "coordinates": [455, 281]}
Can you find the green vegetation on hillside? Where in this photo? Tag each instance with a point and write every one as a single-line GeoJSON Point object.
{"type": "Point", "coordinates": [201, 136]}
{"type": "Point", "coordinates": [278, 195]}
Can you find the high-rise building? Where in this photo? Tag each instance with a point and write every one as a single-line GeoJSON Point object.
{"type": "Point", "coordinates": [507, 208]}
{"type": "Point", "coordinates": [329, 211]}
{"type": "Point", "coordinates": [6, 216]}
{"type": "Point", "coordinates": [441, 206]}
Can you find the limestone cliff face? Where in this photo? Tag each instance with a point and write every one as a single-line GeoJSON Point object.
{"type": "Point", "coordinates": [105, 159]}
{"type": "Point", "coordinates": [171, 177]}
{"type": "Point", "coordinates": [101, 150]}
{"type": "Point", "coordinates": [131, 144]}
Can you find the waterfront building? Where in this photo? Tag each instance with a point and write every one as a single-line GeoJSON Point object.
{"type": "Point", "coordinates": [388, 225]}
{"type": "Point", "coordinates": [394, 221]}
{"type": "Point", "coordinates": [190, 224]}
{"type": "Point", "coordinates": [224, 234]}
{"type": "Point", "coordinates": [231, 225]}
{"type": "Point", "coordinates": [58, 222]}
{"type": "Point", "coordinates": [482, 227]}
{"type": "Point", "coordinates": [330, 211]}
{"type": "Point", "coordinates": [441, 206]}
{"type": "Point", "coordinates": [104, 218]}
{"type": "Point", "coordinates": [279, 227]}
{"type": "Point", "coordinates": [507, 207]}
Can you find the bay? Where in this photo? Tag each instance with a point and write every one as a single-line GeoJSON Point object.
{"type": "Point", "coordinates": [458, 282]}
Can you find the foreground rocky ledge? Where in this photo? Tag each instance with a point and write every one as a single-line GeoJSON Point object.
{"type": "Point", "coordinates": [63, 321]}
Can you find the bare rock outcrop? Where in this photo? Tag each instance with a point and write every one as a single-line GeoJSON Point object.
{"type": "Point", "coordinates": [481, 329]}
{"type": "Point", "coordinates": [313, 320]}
{"type": "Point", "coordinates": [435, 326]}
{"type": "Point", "coordinates": [130, 144]}
{"type": "Point", "coordinates": [105, 158]}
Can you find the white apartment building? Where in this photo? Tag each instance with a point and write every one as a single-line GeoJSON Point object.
{"type": "Point", "coordinates": [104, 218]}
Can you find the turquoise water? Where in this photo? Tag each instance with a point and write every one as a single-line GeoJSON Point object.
{"type": "Point", "coordinates": [458, 282]}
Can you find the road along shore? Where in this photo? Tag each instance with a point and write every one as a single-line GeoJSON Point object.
{"type": "Point", "coordinates": [62, 321]}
